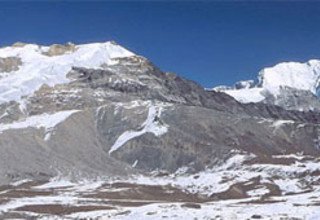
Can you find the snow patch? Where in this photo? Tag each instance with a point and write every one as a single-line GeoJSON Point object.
{"type": "Point", "coordinates": [135, 163]}
{"type": "Point", "coordinates": [46, 121]}
{"type": "Point", "coordinates": [247, 95]}
{"type": "Point", "coordinates": [258, 192]}
{"type": "Point", "coordinates": [151, 125]}
{"type": "Point", "coordinates": [55, 183]}
{"type": "Point", "coordinates": [279, 123]}
{"type": "Point", "coordinates": [295, 156]}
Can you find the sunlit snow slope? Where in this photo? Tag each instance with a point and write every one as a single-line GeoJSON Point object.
{"type": "Point", "coordinates": [37, 67]}
{"type": "Point", "coordinates": [299, 76]}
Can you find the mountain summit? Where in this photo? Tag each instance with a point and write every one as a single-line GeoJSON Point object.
{"type": "Point", "coordinates": [35, 65]}
{"type": "Point", "coordinates": [291, 85]}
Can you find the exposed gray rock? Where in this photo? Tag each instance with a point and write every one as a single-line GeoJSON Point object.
{"type": "Point", "coordinates": [293, 99]}
{"type": "Point", "coordinates": [58, 49]}
{"type": "Point", "coordinates": [9, 64]}
{"type": "Point", "coordinates": [73, 150]}
{"type": "Point", "coordinates": [202, 127]}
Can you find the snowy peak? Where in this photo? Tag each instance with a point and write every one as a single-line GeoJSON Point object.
{"type": "Point", "coordinates": [110, 49]}
{"type": "Point", "coordinates": [300, 76]}
{"type": "Point", "coordinates": [293, 76]}
{"type": "Point", "coordinates": [24, 68]}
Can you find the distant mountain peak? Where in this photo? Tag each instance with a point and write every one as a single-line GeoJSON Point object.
{"type": "Point", "coordinates": [272, 81]}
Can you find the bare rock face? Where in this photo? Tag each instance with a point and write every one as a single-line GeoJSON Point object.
{"type": "Point", "coordinates": [59, 49]}
{"type": "Point", "coordinates": [293, 99]}
{"type": "Point", "coordinates": [9, 64]}
{"type": "Point", "coordinates": [19, 44]}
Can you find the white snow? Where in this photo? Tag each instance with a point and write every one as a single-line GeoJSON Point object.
{"type": "Point", "coordinates": [205, 182]}
{"type": "Point", "coordinates": [39, 200]}
{"type": "Point", "coordinates": [300, 76]}
{"type": "Point", "coordinates": [135, 163]}
{"type": "Point", "coordinates": [149, 126]}
{"type": "Point", "coordinates": [258, 192]}
{"type": "Point", "coordinates": [295, 156]}
{"type": "Point", "coordinates": [20, 182]}
{"type": "Point", "coordinates": [288, 185]}
{"type": "Point", "coordinates": [218, 179]}
{"type": "Point", "coordinates": [4, 115]}
{"type": "Point", "coordinates": [229, 210]}
{"type": "Point", "coordinates": [38, 69]}
{"type": "Point", "coordinates": [46, 121]}
{"type": "Point", "coordinates": [247, 95]}
{"type": "Point", "coordinates": [279, 123]}
{"type": "Point", "coordinates": [56, 183]}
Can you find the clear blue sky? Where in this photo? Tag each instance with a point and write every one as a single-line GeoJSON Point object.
{"type": "Point", "coordinates": [211, 43]}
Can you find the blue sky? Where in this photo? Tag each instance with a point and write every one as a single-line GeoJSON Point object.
{"type": "Point", "coordinates": [210, 42]}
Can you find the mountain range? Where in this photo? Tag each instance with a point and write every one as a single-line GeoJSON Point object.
{"type": "Point", "coordinates": [97, 131]}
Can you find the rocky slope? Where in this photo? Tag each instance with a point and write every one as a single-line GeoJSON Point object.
{"type": "Point", "coordinates": [76, 118]}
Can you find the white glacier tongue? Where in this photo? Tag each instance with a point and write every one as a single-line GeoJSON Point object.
{"type": "Point", "coordinates": [295, 75]}
{"type": "Point", "coordinates": [37, 68]}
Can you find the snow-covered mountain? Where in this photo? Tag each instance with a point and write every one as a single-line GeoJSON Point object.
{"type": "Point", "coordinates": [96, 131]}
{"type": "Point", "coordinates": [291, 85]}
{"type": "Point", "coordinates": [31, 65]}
